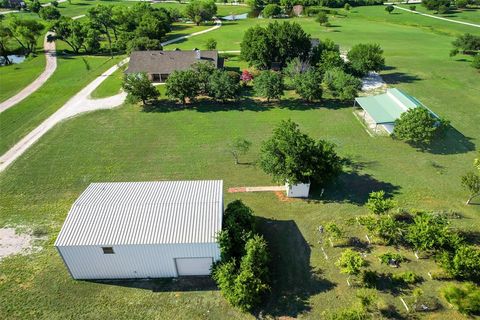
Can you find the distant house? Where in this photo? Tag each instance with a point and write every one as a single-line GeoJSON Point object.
{"type": "Point", "coordinates": [384, 109]}
{"type": "Point", "coordinates": [122, 230]}
{"type": "Point", "coordinates": [160, 64]}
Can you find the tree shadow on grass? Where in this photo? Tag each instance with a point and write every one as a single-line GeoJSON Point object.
{"type": "Point", "coordinates": [246, 103]}
{"type": "Point", "coordinates": [352, 187]}
{"type": "Point", "coordinates": [199, 283]}
{"type": "Point", "coordinates": [399, 77]}
{"type": "Point", "coordinates": [293, 279]}
{"type": "Point", "coordinates": [453, 142]}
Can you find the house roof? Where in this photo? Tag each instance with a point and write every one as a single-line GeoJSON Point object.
{"type": "Point", "coordinates": [165, 62]}
{"type": "Point", "coordinates": [158, 212]}
{"type": "Point", "coordinates": [387, 107]}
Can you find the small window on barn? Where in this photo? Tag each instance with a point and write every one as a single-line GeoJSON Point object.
{"type": "Point", "coordinates": [107, 250]}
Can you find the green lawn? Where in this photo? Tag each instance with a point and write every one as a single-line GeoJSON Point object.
{"type": "Point", "coordinates": [15, 77]}
{"type": "Point", "coordinates": [127, 144]}
{"type": "Point", "coordinates": [110, 86]}
{"type": "Point", "coordinates": [467, 14]}
{"type": "Point", "coordinates": [79, 7]}
{"type": "Point", "coordinates": [72, 74]}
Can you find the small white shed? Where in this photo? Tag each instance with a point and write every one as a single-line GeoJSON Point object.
{"type": "Point", "coordinates": [158, 229]}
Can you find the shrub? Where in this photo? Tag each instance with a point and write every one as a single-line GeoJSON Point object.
{"type": "Point", "coordinates": [347, 6]}
{"type": "Point", "coordinates": [388, 257]}
{"type": "Point", "coordinates": [407, 277]}
{"type": "Point", "coordinates": [465, 298]}
{"type": "Point", "coordinates": [238, 227]}
{"type": "Point", "coordinates": [271, 10]}
{"type": "Point", "coordinates": [211, 44]}
{"type": "Point", "coordinates": [476, 61]}
{"type": "Point", "coordinates": [413, 7]}
{"type": "Point", "coordinates": [389, 8]}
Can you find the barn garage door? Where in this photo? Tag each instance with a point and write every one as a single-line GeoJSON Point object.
{"type": "Point", "coordinates": [193, 266]}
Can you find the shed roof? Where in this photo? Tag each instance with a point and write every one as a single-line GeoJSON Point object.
{"type": "Point", "coordinates": [159, 212]}
{"type": "Point", "coordinates": [387, 107]}
{"type": "Point", "coordinates": [165, 62]}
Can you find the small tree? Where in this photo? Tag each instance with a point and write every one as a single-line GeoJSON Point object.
{"type": "Point", "coordinates": [378, 204]}
{"type": "Point", "coordinates": [211, 44]}
{"type": "Point", "coordinates": [54, 3]}
{"type": "Point", "coordinates": [200, 11]}
{"type": "Point", "coordinates": [269, 85]}
{"type": "Point", "coordinates": [35, 6]}
{"type": "Point", "coordinates": [347, 6]}
{"type": "Point", "coordinates": [49, 13]}
{"type": "Point", "coordinates": [341, 84]}
{"type": "Point", "coordinates": [413, 7]}
{"type": "Point", "coordinates": [463, 264]}
{"type": "Point", "coordinates": [223, 86]}
{"type": "Point", "coordinates": [418, 127]}
{"type": "Point", "coordinates": [322, 18]}
{"type": "Point", "coordinates": [204, 71]}
{"type": "Point", "coordinates": [252, 279]}
{"type": "Point", "coordinates": [389, 8]}
{"type": "Point", "coordinates": [138, 86]}
{"type": "Point", "coordinates": [271, 10]}
{"type": "Point", "coordinates": [182, 85]}
{"type": "Point", "coordinates": [428, 232]}
{"type": "Point", "coordinates": [334, 232]}
{"type": "Point", "coordinates": [308, 85]}
{"type": "Point", "coordinates": [471, 183]}
{"type": "Point", "coordinates": [239, 146]}
{"type": "Point", "coordinates": [351, 263]}
{"type": "Point", "coordinates": [366, 57]}
{"type": "Point", "coordinates": [292, 156]}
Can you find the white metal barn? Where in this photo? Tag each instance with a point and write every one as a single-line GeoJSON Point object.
{"type": "Point", "coordinates": [128, 230]}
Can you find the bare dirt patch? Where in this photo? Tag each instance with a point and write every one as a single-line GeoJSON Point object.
{"type": "Point", "coordinates": [13, 243]}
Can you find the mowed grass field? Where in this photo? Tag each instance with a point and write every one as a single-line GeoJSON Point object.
{"type": "Point", "coordinates": [126, 144]}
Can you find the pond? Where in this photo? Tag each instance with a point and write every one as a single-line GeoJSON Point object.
{"type": "Point", "coordinates": [14, 59]}
{"type": "Point", "coordinates": [236, 17]}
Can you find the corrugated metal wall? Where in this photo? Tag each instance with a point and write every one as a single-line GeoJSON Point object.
{"type": "Point", "coordinates": [132, 261]}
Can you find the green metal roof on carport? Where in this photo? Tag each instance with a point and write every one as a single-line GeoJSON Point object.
{"type": "Point", "coordinates": [387, 107]}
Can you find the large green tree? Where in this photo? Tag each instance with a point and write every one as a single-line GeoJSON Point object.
{"type": "Point", "coordinates": [366, 57]}
{"type": "Point", "coordinates": [418, 126]}
{"type": "Point", "coordinates": [294, 157]}
{"type": "Point", "coordinates": [275, 43]}
{"type": "Point", "coordinates": [72, 32]}
{"type": "Point", "coordinates": [49, 13]}
{"type": "Point", "coordinates": [200, 11]}
{"type": "Point", "coordinates": [25, 32]}
{"type": "Point", "coordinates": [101, 19]}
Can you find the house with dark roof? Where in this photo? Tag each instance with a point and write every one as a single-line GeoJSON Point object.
{"type": "Point", "coordinates": [158, 65]}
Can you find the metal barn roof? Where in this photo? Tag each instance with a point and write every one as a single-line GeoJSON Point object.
{"type": "Point", "coordinates": [387, 107]}
{"type": "Point", "coordinates": [160, 212]}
